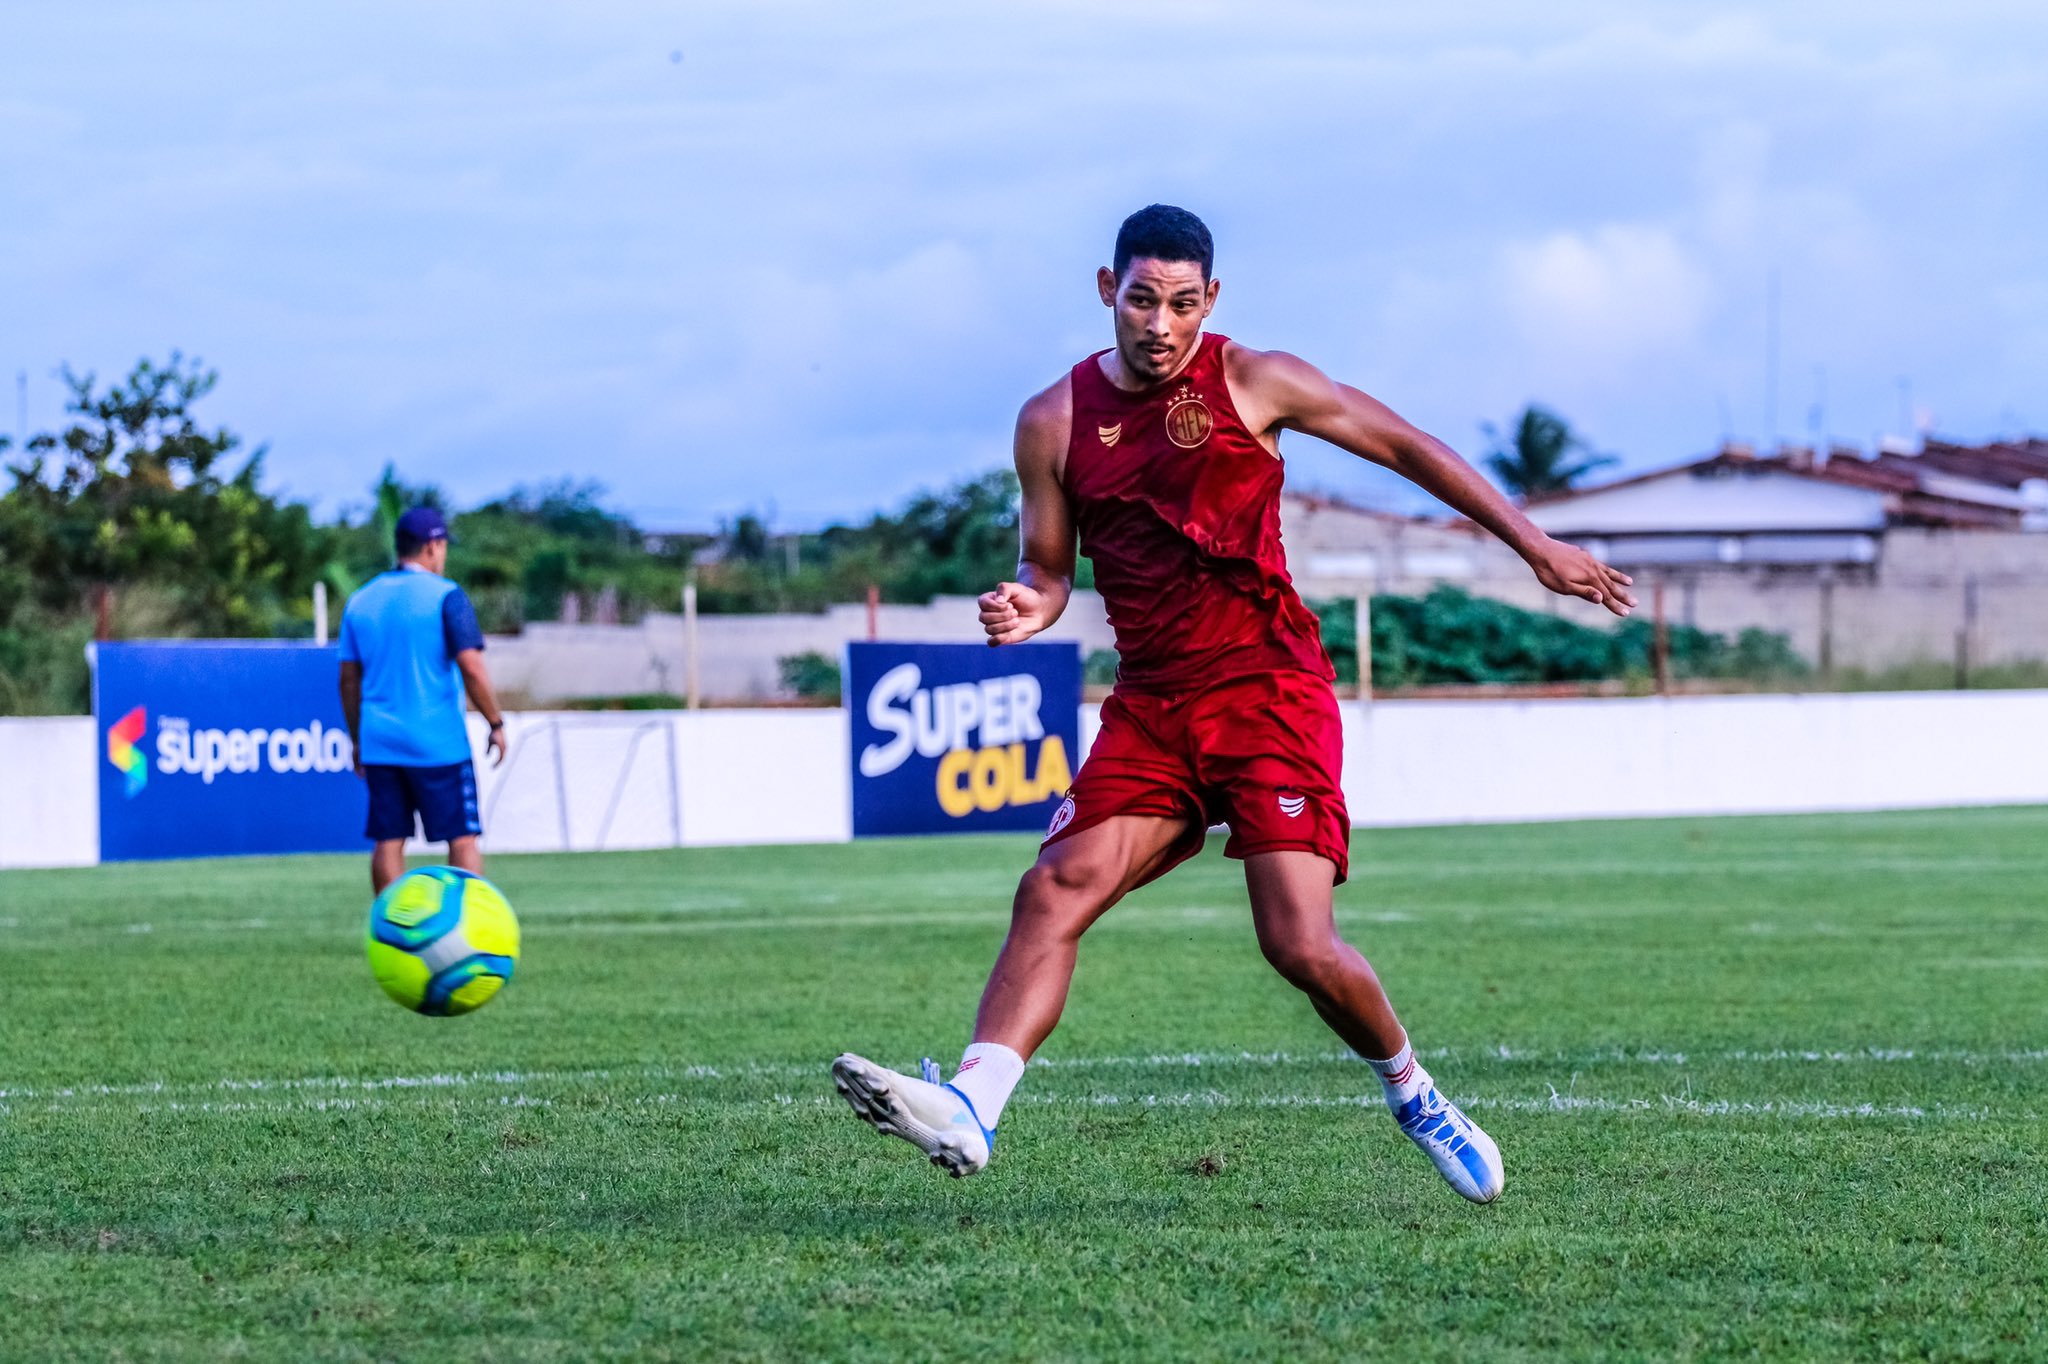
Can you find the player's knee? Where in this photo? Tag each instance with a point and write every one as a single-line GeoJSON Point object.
{"type": "Point", "coordinates": [1056, 888]}
{"type": "Point", "coordinates": [1308, 962]}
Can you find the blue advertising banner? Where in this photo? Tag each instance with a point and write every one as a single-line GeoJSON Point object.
{"type": "Point", "coordinates": [961, 738]}
{"type": "Point", "coordinates": [212, 749]}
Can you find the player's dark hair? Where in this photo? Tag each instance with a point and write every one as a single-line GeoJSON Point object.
{"type": "Point", "coordinates": [1163, 232]}
{"type": "Point", "coordinates": [408, 545]}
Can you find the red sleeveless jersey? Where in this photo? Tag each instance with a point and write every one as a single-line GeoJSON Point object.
{"type": "Point", "coordinates": [1178, 504]}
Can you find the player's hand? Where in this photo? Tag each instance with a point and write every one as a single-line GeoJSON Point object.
{"type": "Point", "coordinates": [1012, 613]}
{"type": "Point", "coordinates": [498, 743]}
{"type": "Point", "coordinates": [1571, 572]}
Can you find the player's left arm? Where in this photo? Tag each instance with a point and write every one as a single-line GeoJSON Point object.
{"type": "Point", "coordinates": [477, 682]}
{"type": "Point", "coordinates": [465, 640]}
{"type": "Point", "coordinates": [1289, 393]}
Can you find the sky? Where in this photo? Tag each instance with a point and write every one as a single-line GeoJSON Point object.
{"type": "Point", "coordinates": [807, 258]}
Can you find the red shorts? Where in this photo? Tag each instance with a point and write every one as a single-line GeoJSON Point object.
{"type": "Point", "coordinates": [1263, 754]}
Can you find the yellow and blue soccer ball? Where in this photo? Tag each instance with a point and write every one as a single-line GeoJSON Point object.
{"type": "Point", "coordinates": [442, 941]}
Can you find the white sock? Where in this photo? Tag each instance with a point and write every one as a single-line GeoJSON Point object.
{"type": "Point", "coordinates": [1401, 1075]}
{"type": "Point", "coordinates": [988, 1072]}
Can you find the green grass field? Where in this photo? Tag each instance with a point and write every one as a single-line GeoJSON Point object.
{"type": "Point", "coordinates": [1765, 1088]}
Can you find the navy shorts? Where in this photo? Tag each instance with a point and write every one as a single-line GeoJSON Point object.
{"type": "Point", "coordinates": [444, 799]}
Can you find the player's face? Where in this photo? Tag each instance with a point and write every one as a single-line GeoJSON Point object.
{"type": "Point", "coordinates": [1159, 306]}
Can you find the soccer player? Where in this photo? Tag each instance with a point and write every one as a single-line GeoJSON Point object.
{"type": "Point", "coordinates": [410, 647]}
{"type": "Point", "coordinates": [1163, 456]}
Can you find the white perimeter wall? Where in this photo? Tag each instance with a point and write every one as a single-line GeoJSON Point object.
{"type": "Point", "coordinates": [655, 779]}
{"type": "Point", "coordinates": [49, 793]}
{"type": "Point", "coordinates": [1437, 762]}
{"type": "Point", "coordinates": [781, 776]}
{"type": "Point", "coordinates": [625, 780]}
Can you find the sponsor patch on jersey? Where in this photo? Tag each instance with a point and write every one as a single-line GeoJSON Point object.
{"type": "Point", "coordinates": [1111, 434]}
{"type": "Point", "coordinates": [1188, 422]}
{"type": "Point", "coordinates": [1061, 817]}
{"type": "Point", "coordinates": [1291, 803]}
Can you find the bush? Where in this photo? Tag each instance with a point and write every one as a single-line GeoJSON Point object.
{"type": "Point", "coordinates": [1452, 637]}
{"type": "Point", "coordinates": [42, 665]}
{"type": "Point", "coordinates": [641, 700]}
{"type": "Point", "coordinates": [811, 675]}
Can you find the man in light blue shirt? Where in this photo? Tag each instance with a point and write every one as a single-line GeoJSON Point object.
{"type": "Point", "coordinates": [410, 647]}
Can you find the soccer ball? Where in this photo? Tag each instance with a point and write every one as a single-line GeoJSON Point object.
{"type": "Point", "coordinates": [442, 941]}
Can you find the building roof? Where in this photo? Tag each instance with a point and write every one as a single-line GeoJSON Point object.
{"type": "Point", "coordinates": [1737, 491]}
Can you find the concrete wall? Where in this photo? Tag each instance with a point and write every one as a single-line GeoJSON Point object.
{"type": "Point", "coordinates": [49, 793]}
{"type": "Point", "coordinates": [578, 781]}
{"type": "Point", "coordinates": [1908, 607]}
{"type": "Point", "coordinates": [739, 653]}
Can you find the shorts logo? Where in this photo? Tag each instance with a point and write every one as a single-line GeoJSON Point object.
{"type": "Point", "coordinates": [1292, 803]}
{"type": "Point", "coordinates": [1110, 434]}
{"type": "Point", "coordinates": [1188, 422]}
{"type": "Point", "coordinates": [1061, 817]}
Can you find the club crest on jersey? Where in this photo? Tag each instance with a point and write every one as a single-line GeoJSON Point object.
{"type": "Point", "coordinates": [1111, 434]}
{"type": "Point", "coordinates": [1291, 802]}
{"type": "Point", "coordinates": [1061, 817]}
{"type": "Point", "coordinates": [1188, 422]}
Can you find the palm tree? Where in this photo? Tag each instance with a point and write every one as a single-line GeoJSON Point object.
{"type": "Point", "coordinates": [1545, 456]}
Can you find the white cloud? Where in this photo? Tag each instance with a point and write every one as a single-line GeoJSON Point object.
{"type": "Point", "coordinates": [824, 257]}
{"type": "Point", "coordinates": [1620, 293]}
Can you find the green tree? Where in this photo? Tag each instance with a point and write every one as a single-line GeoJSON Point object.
{"type": "Point", "coordinates": [132, 515]}
{"type": "Point", "coordinates": [961, 539]}
{"type": "Point", "coordinates": [1544, 456]}
{"type": "Point", "coordinates": [134, 491]}
{"type": "Point", "coordinates": [523, 554]}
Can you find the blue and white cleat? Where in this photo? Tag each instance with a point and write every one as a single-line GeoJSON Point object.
{"type": "Point", "coordinates": [1465, 1156]}
{"type": "Point", "coordinates": [935, 1118]}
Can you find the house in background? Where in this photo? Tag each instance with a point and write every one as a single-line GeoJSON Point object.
{"type": "Point", "coordinates": [1801, 508]}
{"type": "Point", "coordinates": [1935, 555]}
{"type": "Point", "coordinates": [1904, 556]}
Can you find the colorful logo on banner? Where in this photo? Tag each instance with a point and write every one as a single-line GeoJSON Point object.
{"type": "Point", "coordinates": [224, 749]}
{"type": "Point", "coordinates": [123, 738]}
{"type": "Point", "coordinates": [954, 738]}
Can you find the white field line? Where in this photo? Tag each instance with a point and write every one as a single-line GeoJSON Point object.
{"type": "Point", "coordinates": [683, 921]}
{"type": "Point", "coordinates": [336, 1090]}
{"type": "Point", "coordinates": [1553, 1103]}
{"type": "Point", "coordinates": [759, 1070]}
{"type": "Point", "coordinates": [669, 921]}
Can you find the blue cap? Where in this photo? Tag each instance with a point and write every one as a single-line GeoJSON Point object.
{"type": "Point", "coordinates": [418, 527]}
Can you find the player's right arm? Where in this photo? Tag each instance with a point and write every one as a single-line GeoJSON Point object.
{"type": "Point", "coordinates": [1282, 390]}
{"type": "Point", "coordinates": [1016, 611]}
